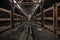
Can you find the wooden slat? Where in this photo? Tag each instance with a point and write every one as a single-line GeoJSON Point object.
{"type": "Point", "coordinates": [49, 18]}
{"type": "Point", "coordinates": [50, 27]}
{"type": "Point", "coordinates": [58, 4]}
{"type": "Point", "coordinates": [5, 19]}
{"type": "Point", "coordinates": [58, 32]}
{"type": "Point", "coordinates": [5, 10]}
{"type": "Point", "coordinates": [38, 18]}
{"type": "Point", "coordinates": [6, 27]}
{"type": "Point", "coordinates": [17, 23]}
{"type": "Point", "coordinates": [58, 18]}
{"type": "Point", "coordinates": [48, 9]}
{"type": "Point", "coordinates": [38, 23]}
{"type": "Point", "coordinates": [38, 14]}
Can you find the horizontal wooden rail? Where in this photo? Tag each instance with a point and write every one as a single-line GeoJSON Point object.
{"type": "Point", "coordinates": [55, 12]}
{"type": "Point", "coordinates": [48, 9]}
{"type": "Point", "coordinates": [38, 14]}
{"type": "Point", "coordinates": [58, 4]}
{"type": "Point", "coordinates": [49, 18]}
{"type": "Point", "coordinates": [5, 10]}
{"type": "Point", "coordinates": [38, 22]}
{"type": "Point", "coordinates": [7, 27]}
{"type": "Point", "coordinates": [50, 27]}
{"type": "Point", "coordinates": [58, 18]}
{"type": "Point", "coordinates": [58, 32]}
{"type": "Point", "coordinates": [5, 19]}
{"type": "Point", "coordinates": [38, 18]}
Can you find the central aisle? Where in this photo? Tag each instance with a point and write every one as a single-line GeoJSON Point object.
{"type": "Point", "coordinates": [28, 31]}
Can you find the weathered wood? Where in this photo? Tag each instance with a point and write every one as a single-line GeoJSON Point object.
{"type": "Point", "coordinates": [48, 18]}
{"type": "Point", "coordinates": [9, 12]}
{"type": "Point", "coordinates": [50, 27]}
{"type": "Point", "coordinates": [42, 13]}
{"type": "Point", "coordinates": [5, 19]}
{"type": "Point", "coordinates": [7, 27]}
{"type": "Point", "coordinates": [58, 4]}
{"type": "Point", "coordinates": [38, 18]}
{"type": "Point", "coordinates": [38, 22]}
{"type": "Point", "coordinates": [38, 14]}
{"type": "Point", "coordinates": [48, 9]}
{"type": "Point", "coordinates": [57, 18]}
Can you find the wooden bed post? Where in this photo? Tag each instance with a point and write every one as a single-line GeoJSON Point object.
{"type": "Point", "coordinates": [54, 23]}
{"type": "Point", "coordinates": [12, 13]}
{"type": "Point", "coordinates": [42, 14]}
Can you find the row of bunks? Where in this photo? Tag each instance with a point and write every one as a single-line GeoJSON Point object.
{"type": "Point", "coordinates": [51, 18]}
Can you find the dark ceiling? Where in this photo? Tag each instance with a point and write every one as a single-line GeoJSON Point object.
{"type": "Point", "coordinates": [47, 3]}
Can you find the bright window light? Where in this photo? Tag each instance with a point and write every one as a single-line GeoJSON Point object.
{"type": "Point", "coordinates": [14, 1]}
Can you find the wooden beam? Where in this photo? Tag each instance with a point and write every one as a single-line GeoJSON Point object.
{"type": "Point", "coordinates": [58, 32]}
{"type": "Point", "coordinates": [50, 27]}
{"type": "Point", "coordinates": [38, 14]}
{"type": "Point", "coordinates": [38, 23]}
{"type": "Point", "coordinates": [49, 18]}
{"type": "Point", "coordinates": [48, 9]}
{"type": "Point", "coordinates": [58, 4]}
{"type": "Point", "coordinates": [7, 27]}
{"type": "Point", "coordinates": [38, 18]}
{"type": "Point", "coordinates": [58, 18]}
{"type": "Point", "coordinates": [7, 19]}
{"type": "Point", "coordinates": [5, 10]}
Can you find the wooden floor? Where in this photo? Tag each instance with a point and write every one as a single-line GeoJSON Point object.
{"type": "Point", "coordinates": [36, 32]}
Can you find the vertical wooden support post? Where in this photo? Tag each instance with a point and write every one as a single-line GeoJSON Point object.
{"type": "Point", "coordinates": [42, 14]}
{"type": "Point", "coordinates": [20, 19]}
{"type": "Point", "coordinates": [38, 19]}
{"type": "Point", "coordinates": [17, 19]}
{"type": "Point", "coordinates": [10, 18]}
{"type": "Point", "coordinates": [54, 22]}
{"type": "Point", "coordinates": [12, 14]}
{"type": "Point", "coordinates": [34, 19]}
{"type": "Point", "coordinates": [56, 10]}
